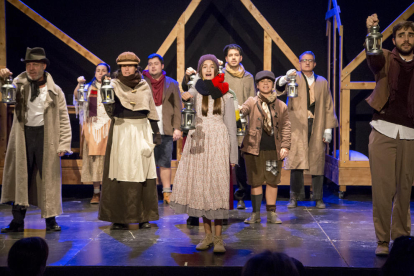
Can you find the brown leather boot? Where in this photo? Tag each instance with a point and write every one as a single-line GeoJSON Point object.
{"type": "Point", "coordinates": [219, 245]}
{"type": "Point", "coordinates": [96, 198]}
{"type": "Point", "coordinates": [166, 197]}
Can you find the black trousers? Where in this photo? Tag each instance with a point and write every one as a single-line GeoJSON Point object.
{"type": "Point", "coordinates": [297, 185]}
{"type": "Point", "coordinates": [34, 137]}
{"type": "Point", "coordinates": [241, 178]}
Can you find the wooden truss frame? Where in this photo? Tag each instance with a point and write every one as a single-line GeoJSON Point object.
{"type": "Point", "coordinates": [340, 169]}
{"type": "Point", "coordinates": [71, 168]}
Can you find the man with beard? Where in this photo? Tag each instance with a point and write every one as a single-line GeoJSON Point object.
{"type": "Point", "coordinates": [40, 135]}
{"type": "Point", "coordinates": [168, 103]}
{"type": "Point", "coordinates": [391, 142]}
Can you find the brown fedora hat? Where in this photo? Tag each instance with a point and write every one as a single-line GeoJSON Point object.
{"type": "Point", "coordinates": [36, 54]}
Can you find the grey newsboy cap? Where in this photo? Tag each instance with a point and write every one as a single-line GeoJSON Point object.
{"type": "Point", "coordinates": [264, 75]}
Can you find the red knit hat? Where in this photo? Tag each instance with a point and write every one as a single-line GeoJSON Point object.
{"type": "Point", "coordinates": [208, 57]}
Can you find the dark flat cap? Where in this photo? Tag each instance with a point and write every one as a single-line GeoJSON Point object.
{"type": "Point", "coordinates": [265, 75]}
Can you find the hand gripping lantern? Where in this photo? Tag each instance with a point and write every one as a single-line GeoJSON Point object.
{"type": "Point", "coordinates": [188, 113]}
{"type": "Point", "coordinates": [8, 92]}
{"type": "Point", "coordinates": [82, 93]}
{"type": "Point", "coordinates": [107, 92]}
{"type": "Point", "coordinates": [373, 41]}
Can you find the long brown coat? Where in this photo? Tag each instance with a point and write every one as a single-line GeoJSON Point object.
{"type": "Point", "coordinates": [303, 155]}
{"type": "Point", "coordinates": [46, 192]}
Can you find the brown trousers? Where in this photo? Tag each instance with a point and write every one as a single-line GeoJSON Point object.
{"type": "Point", "coordinates": [392, 170]}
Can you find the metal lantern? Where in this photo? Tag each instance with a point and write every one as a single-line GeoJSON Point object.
{"type": "Point", "coordinates": [82, 93]}
{"type": "Point", "coordinates": [107, 92]}
{"type": "Point", "coordinates": [8, 92]}
{"type": "Point", "coordinates": [188, 116]}
{"type": "Point", "coordinates": [373, 41]}
{"type": "Point", "coordinates": [292, 87]}
{"type": "Point", "coordinates": [191, 82]}
{"type": "Point", "coordinates": [242, 131]}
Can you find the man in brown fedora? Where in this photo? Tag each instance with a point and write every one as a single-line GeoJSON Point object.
{"type": "Point", "coordinates": [40, 135]}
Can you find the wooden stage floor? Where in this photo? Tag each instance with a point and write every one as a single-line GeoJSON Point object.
{"type": "Point", "coordinates": [339, 237]}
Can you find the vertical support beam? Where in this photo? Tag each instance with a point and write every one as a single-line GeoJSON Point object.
{"type": "Point", "coordinates": [344, 117]}
{"type": "Point", "coordinates": [180, 65]}
{"type": "Point", "coordinates": [334, 75]}
{"type": "Point", "coordinates": [3, 107]}
{"type": "Point", "coordinates": [267, 52]}
{"type": "Point", "coordinates": [341, 45]}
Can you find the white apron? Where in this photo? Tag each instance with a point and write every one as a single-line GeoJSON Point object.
{"type": "Point", "coordinates": [132, 152]}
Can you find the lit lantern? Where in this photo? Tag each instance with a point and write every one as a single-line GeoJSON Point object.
{"type": "Point", "coordinates": [292, 87]}
{"type": "Point", "coordinates": [8, 92]}
{"type": "Point", "coordinates": [82, 94]}
{"type": "Point", "coordinates": [188, 116]}
{"type": "Point", "coordinates": [242, 131]}
{"type": "Point", "coordinates": [107, 92]}
{"type": "Point", "coordinates": [373, 41]}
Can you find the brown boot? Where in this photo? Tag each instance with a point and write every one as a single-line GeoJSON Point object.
{"type": "Point", "coordinates": [206, 243]}
{"type": "Point", "coordinates": [96, 198]}
{"type": "Point", "coordinates": [382, 248]}
{"type": "Point", "coordinates": [219, 245]}
{"type": "Point", "coordinates": [166, 197]}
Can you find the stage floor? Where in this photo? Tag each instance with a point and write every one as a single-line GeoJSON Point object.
{"type": "Point", "coordinates": [340, 236]}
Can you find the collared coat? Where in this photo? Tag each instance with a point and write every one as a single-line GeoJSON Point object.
{"type": "Point", "coordinates": [171, 105]}
{"type": "Point", "coordinates": [46, 192]}
{"type": "Point", "coordinates": [309, 155]}
{"type": "Point", "coordinates": [281, 124]}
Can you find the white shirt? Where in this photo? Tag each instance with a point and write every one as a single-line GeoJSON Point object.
{"type": "Point", "coordinates": [391, 130]}
{"type": "Point", "coordinates": [35, 109]}
{"type": "Point", "coordinates": [160, 126]}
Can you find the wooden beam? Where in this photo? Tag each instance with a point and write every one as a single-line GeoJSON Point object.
{"type": "Point", "coordinates": [354, 164]}
{"type": "Point", "coordinates": [358, 85]}
{"type": "Point", "coordinates": [55, 31]}
{"type": "Point", "coordinates": [173, 34]}
{"type": "Point", "coordinates": [334, 73]}
{"type": "Point", "coordinates": [345, 109]}
{"type": "Point", "coordinates": [3, 63]}
{"type": "Point", "coordinates": [181, 49]}
{"type": "Point", "coordinates": [267, 52]}
{"type": "Point", "coordinates": [386, 33]}
{"type": "Point", "coordinates": [272, 33]}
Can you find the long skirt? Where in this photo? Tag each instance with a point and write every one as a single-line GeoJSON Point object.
{"type": "Point", "coordinates": [127, 201]}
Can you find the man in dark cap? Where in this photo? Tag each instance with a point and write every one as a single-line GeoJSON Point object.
{"type": "Point", "coordinates": [40, 135]}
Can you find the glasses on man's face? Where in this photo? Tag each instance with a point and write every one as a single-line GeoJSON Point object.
{"type": "Point", "coordinates": [307, 60]}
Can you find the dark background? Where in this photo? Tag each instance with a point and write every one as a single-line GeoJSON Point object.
{"type": "Point", "coordinates": [107, 28]}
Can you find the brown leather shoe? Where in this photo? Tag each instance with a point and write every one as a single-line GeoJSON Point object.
{"type": "Point", "coordinates": [382, 248]}
{"type": "Point", "coordinates": [166, 197]}
{"type": "Point", "coordinates": [96, 198]}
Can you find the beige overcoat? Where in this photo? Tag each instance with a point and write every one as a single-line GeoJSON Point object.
{"type": "Point", "coordinates": [303, 155]}
{"type": "Point", "coordinates": [46, 192]}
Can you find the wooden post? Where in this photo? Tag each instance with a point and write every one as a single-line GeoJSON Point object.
{"type": "Point", "coordinates": [180, 66]}
{"type": "Point", "coordinates": [344, 117]}
{"type": "Point", "coordinates": [267, 52]}
{"type": "Point", "coordinates": [3, 107]}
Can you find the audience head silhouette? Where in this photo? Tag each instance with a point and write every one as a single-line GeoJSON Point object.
{"type": "Point", "coordinates": [272, 263]}
{"type": "Point", "coordinates": [28, 257]}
